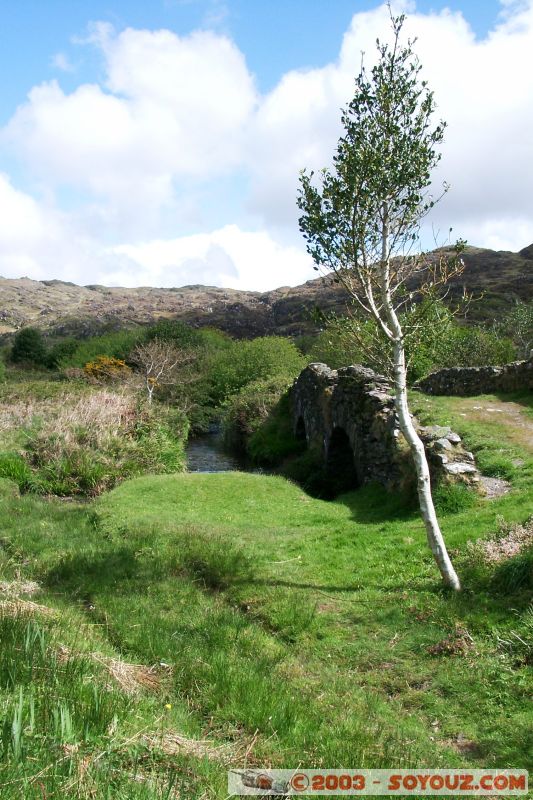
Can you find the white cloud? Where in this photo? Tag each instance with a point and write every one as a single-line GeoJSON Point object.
{"type": "Point", "coordinates": [174, 115]}
{"type": "Point", "coordinates": [24, 229]}
{"type": "Point", "coordinates": [171, 109]}
{"type": "Point", "coordinates": [40, 242]}
{"type": "Point", "coordinates": [227, 257]}
{"type": "Point", "coordinates": [61, 61]}
{"type": "Point", "coordinates": [484, 89]}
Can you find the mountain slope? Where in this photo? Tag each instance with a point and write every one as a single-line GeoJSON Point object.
{"type": "Point", "coordinates": [497, 278]}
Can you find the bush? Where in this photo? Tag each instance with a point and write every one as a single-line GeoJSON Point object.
{"type": "Point", "coordinates": [28, 347]}
{"type": "Point", "coordinates": [436, 341]}
{"type": "Point", "coordinates": [105, 369]}
{"type": "Point", "coordinates": [515, 574]}
{"type": "Point", "coordinates": [2, 371]}
{"type": "Point", "coordinates": [175, 332]}
{"type": "Point", "coordinates": [503, 562]}
{"type": "Point", "coordinates": [452, 498]}
{"type": "Point", "coordinates": [245, 361]}
{"type": "Point", "coordinates": [473, 347]}
{"type": "Point", "coordinates": [14, 467]}
{"type": "Point", "coordinates": [114, 345]}
{"type": "Point", "coordinates": [250, 409]}
{"type": "Point", "coordinates": [274, 441]}
{"type": "Point", "coordinates": [86, 445]}
{"type": "Point", "coordinates": [61, 351]}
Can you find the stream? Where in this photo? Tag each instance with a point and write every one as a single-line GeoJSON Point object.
{"type": "Point", "coordinates": [205, 454]}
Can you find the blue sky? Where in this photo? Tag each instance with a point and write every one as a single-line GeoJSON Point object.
{"type": "Point", "coordinates": [274, 35]}
{"type": "Point", "coordinates": [135, 150]}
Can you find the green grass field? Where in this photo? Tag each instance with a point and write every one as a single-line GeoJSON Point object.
{"type": "Point", "coordinates": [189, 622]}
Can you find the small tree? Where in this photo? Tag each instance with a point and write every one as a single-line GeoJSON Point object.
{"type": "Point", "coordinates": [29, 346]}
{"type": "Point", "coordinates": [159, 363]}
{"type": "Point", "coordinates": [363, 222]}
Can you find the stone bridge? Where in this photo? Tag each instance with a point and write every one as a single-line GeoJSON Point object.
{"type": "Point", "coordinates": [348, 418]}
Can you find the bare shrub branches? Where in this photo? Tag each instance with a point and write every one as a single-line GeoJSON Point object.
{"type": "Point", "coordinates": [160, 363]}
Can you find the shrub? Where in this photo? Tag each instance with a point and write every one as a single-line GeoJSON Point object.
{"type": "Point", "coordinates": [28, 347]}
{"type": "Point", "coordinates": [85, 445]}
{"type": "Point", "coordinates": [515, 574]}
{"type": "Point", "coordinates": [114, 345]}
{"type": "Point", "coordinates": [245, 361]}
{"type": "Point", "coordinates": [473, 347]}
{"type": "Point", "coordinates": [13, 466]}
{"type": "Point", "coordinates": [61, 351]}
{"type": "Point", "coordinates": [273, 440]}
{"type": "Point", "coordinates": [249, 409]}
{"type": "Point", "coordinates": [106, 369]}
{"type": "Point", "coordinates": [438, 341]}
{"type": "Point", "coordinates": [2, 371]}
{"type": "Point", "coordinates": [503, 562]}
{"type": "Point", "coordinates": [452, 498]}
{"type": "Point", "coordinates": [518, 326]}
{"type": "Point", "coordinates": [175, 332]}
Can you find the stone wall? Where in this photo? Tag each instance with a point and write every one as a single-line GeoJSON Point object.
{"type": "Point", "coordinates": [356, 404]}
{"type": "Point", "coordinates": [470, 381]}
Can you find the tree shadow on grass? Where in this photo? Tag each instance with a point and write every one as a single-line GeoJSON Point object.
{"type": "Point", "coordinates": [287, 584]}
{"type": "Point", "coordinates": [81, 574]}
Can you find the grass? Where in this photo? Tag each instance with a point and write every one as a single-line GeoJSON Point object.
{"type": "Point", "coordinates": [67, 438]}
{"type": "Point", "coordinates": [499, 429]}
{"type": "Point", "coordinates": [291, 631]}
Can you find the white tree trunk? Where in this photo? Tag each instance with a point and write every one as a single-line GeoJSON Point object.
{"type": "Point", "coordinates": [425, 500]}
{"type": "Point", "coordinates": [393, 330]}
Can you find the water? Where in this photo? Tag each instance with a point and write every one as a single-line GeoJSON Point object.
{"type": "Point", "coordinates": [205, 454]}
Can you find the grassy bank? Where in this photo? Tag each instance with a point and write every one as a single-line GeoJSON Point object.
{"type": "Point", "coordinates": [280, 629]}
{"type": "Point", "coordinates": [70, 438]}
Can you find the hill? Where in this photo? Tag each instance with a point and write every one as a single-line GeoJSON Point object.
{"type": "Point", "coordinates": [63, 308]}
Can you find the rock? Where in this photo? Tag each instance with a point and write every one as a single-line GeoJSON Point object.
{"type": "Point", "coordinates": [443, 444]}
{"type": "Point", "coordinates": [433, 432]}
{"type": "Point", "coordinates": [454, 438]}
{"type": "Point", "coordinates": [472, 381]}
{"type": "Point", "coordinates": [495, 487]}
{"type": "Point", "coordinates": [459, 468]}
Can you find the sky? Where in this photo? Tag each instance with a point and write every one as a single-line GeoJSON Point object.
{"type": "Point", "coordinates": [160, 143]}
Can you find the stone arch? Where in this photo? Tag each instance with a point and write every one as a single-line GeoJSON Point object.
{"type": "Point", "coordinates": [340, 462]}
{"type": "Point", "coordinates": [300, 432]}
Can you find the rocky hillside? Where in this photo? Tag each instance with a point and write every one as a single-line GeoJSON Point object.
{"type": "Point", "coordinates": [498, 278]}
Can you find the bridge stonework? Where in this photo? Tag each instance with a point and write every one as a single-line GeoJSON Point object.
{"type": "Point", "coordinates": [471, 381]}
{"type": "Point", "coordinates": [355, 406]}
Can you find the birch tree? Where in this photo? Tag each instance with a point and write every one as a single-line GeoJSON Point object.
{"type": "Point", "coordinates": [362, 222]}
{"type": "Point", "coordinates": [159, 362]}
